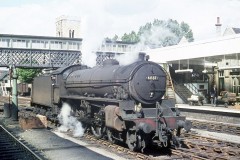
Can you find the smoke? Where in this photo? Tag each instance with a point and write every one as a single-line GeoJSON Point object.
{"type": "Point", "coordinates": [68, 122]}
{"type": "Point", "coordinates": [157, 37]}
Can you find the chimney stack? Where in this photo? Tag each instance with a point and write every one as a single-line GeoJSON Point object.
{"type": "Point", "coordinates": [218, 27]}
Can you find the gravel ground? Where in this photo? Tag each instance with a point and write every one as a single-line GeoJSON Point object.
{"type": "Point", "coordinates": [58, 146]}
{"type": "Point", "coordinates": [55, 145]}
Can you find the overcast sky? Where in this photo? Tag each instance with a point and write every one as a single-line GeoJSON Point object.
{"type": "Point", "coordinates": [104, 18]}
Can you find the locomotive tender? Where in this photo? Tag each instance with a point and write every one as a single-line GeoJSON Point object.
{"type": "Point", "coordinates": [124, 103]}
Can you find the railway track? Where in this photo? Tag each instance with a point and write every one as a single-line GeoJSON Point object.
{"type": "Point", "coordinates": [193, 146]}
{"type": "Point", "coordinates": [216, 127]}
{"type": "Point", "coordinates": [200, 147]}
{"type": "Point", "coordinates": [11, 148]}
{"type": "Point", "coordinates": [22, 101]}
{"type": "Point", "coordinates": [116, 148]}
{"type": "Point", "coordinates": [197, 124]}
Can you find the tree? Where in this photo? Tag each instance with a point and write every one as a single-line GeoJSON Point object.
{"type": "Point", "coordinates": [131, 37]}
{"type": "Point", "coordinates": [115, 38]}
{"type": "Point", "coordinates": [164, 33]}
{"type": "Point", "coordinates": [160, 33]}
{"type": "Point", "coordinates": [186, 31]}
{"type": "Point", "coordinates": [27, 75]}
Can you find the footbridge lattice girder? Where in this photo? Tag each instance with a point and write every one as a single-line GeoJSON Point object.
{"type": "Point", "coordinates": [37, 58]}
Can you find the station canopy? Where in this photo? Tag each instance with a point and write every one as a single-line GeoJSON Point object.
{"type": "Point", "coordinates": [220, 51]}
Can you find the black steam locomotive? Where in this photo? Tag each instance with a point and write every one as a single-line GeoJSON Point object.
{"type": "Point", "coordinates": [123, 103]}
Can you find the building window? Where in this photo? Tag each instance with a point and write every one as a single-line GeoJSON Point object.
{"type": "Point", "coordinates": [37, 44]}
{"type": "Point", "coordinates": [201, 86]}
{"type": "Point", "coordinates": [64, 45]}
{"type": "Point", "coordinates": [78, 46]}
{"type": "Point", "coordinates": [4, 42]}
{"type": "Point", "coordinates": [57, 45]}
{"type": "Point", "coordinates": [114, 48]}
{"type": "Point", "coordinates": [70, 32]}
{"type": "Point", "coordinates": [73, 34]}
{"type": "Point", "coordinates": [221, 73]}
{"type": "Point", "coordinates": [72, 45]}
{"type": "Point", "coordinates": [19, 43]}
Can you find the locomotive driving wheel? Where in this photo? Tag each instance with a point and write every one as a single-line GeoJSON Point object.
{"type": "Point", "coordinates": [97, 131]}
{"type": "Point", "coordinates": [98, 127]}
{"type": "Point", "coordinates": [110, 135]}
{"type": "Point", "coordinates": [133, 140]}
{"type": "Point", "coordinates": [81, 115]}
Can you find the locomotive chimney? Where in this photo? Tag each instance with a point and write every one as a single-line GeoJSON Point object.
{"type": "Point", "coordinates": [143, 57]}
{"type": "Point", "coordinates": [218, 27]}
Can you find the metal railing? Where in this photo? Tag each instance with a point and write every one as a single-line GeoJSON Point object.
{"type": "Point", "coordinates": [191, 88]}
{"type": "Point", "coordinates": [178, 92]}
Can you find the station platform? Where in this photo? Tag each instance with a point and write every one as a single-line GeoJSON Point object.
{"type": "Point", "coordinates": [54, 145]}
{"type": "Point", "coordinates": [208, 107]}
{"type": "Point", "coordinates": [208, 112]}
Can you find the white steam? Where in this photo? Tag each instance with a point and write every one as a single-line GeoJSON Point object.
{"type": "Point", "coordinates": [68, 122]}
{"type": "Point", "coordinates": [127, 58]}
{"type": "Point", "coordinates": [155, 38]}
{"type": "Point", "coordinates": [91, 40]}
{"type": "Point", "coordinates": [158, 37]}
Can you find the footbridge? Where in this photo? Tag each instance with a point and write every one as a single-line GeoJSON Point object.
{"type": "Point", "coordinates": [38, 51]}
{"type": "Point", "coordinates": [23, 51]}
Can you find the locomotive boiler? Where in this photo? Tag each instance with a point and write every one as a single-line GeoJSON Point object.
{"type": "Point", "coordinates": [143, 81]}
{"type": "Point", "coordinates": [124, 103]}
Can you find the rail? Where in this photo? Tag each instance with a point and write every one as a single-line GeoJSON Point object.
{"type": "Point", "coordinates": [217, 127]}
{"type": "Point", "coordinates": [12, 148]}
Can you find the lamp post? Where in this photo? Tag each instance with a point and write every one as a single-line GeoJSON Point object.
{"type": "Point", "coordinates": [14, 109]}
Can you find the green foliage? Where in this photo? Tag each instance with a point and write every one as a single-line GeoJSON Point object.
{"type": "Point", "coordinates": [187, 32]}
{"type": "Point", "coordinates": [27, 75]}
{"type": "Point", "coordinates": [107, 39]}
{"type": "Point", "coordinates": [165, 33]}
{"type": "Point", "coordinates": [115, 38]}
{"type": "Point", "coordinates": [131, 37]}
{"type": "Point", "coordinates": [159, 33]}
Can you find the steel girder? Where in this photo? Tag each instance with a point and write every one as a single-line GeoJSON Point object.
{"type": "Point", "coordinates": [102, 56]}
{"type": "Point", "coordinates": [38, 58]}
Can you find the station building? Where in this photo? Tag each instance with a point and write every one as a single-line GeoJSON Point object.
{"type": "Point", "coordinates": [111, 49]}
{"type": "Point", "coordinates": [199, 65]}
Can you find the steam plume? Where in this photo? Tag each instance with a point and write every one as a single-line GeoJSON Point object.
{"type": "Point", "coordinates": [68, 122]}
{"type": "Point", "coordinates": [157, 37]}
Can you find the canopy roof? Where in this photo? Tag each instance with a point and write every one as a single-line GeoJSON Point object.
{"type": "Point", "coordinates": [211, 50]}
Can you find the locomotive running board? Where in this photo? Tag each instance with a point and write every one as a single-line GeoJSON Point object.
{"type": "Point", "coordinates": [92, 99]}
